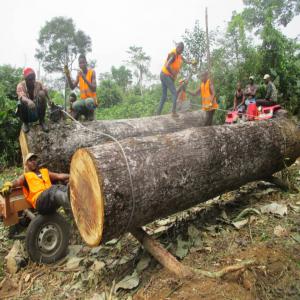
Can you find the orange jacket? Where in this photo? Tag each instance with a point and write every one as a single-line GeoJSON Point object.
{"type": "Point", "coordinates": [175, 66]}
{"type": "Point", "coordinates": [85, 91]}
{"type": "Point", "coordinates": [36, 185]}
{"type": "Point", "coordinates": [206, 96]}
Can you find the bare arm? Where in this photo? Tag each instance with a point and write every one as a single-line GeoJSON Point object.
{"type": "Point", "coordinates": [171, 59]}
{"type": "Point", "coordinates": [18, 182]}
{"type": "Point", "coordinates": [72, 84]}
{"type": "Point", "coordinates": [196, 93]}
{"type": "Point", "coordinates": [58, 176]}
{"type": "Point", "coordinates": [235, 102]}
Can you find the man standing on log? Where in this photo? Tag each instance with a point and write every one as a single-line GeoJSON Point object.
{"type": "Point", "coordinates": [271, 94]}
{"type": "Point", "coordinates": [207, 93]}
{"type": "Point", "coordinates": [38, 189]}
{"type": "Point", "coordinates": [168, 76]}
{"type": "Point", "coordinates": [86, 79]}
{"type": "Point", "coordinates": [32, 103]}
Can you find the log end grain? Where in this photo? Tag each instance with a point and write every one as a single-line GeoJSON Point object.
{"type": "Point", "coordinates": [86, 196]}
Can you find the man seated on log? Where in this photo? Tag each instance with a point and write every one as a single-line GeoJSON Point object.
{"type": "Point", "coordinates": [271, 94]}
{"type": "Point", "coordinates": [250, 91]}
{"type": "Point", "coordinates": [207, 92]}
{"type": "Point", "coordinates": [38, 189]}
{"type": "Point", "coordinates": [86, 79]}
{"type": "Point", "coordinates": [239, 99]}
{"type": "Point", "coordinates": [33, 97]}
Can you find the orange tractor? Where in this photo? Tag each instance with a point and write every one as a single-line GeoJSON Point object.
{"type": "Point", "coordinates": [47, 236]}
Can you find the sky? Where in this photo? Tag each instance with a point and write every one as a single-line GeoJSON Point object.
{"type": "Point", "coordinates": [113, 26]}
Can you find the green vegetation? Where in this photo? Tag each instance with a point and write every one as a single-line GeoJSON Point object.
{"type": "Point", "coordinates": [252, 44]}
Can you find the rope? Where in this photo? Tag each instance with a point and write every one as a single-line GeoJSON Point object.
{"type": "Point", "coordinates": [126, 161]}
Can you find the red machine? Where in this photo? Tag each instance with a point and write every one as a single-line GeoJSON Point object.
{"type": "Point", "coordinates": [253, 113]}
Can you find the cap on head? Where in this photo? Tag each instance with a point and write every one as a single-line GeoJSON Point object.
{"type": "Point", "coordinates": [27, 72]}
{"type": "Point", "coordinates": [251, 77]}
{"type": "Point", "coordinates": [29, 155]}
{"type": "Point", "coordinates": [267, 76]}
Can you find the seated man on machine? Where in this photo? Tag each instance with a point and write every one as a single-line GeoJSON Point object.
{"type": "Point", "coordinates": [38, 189]}
{"type": "Point", "coordinates": [271, 93]}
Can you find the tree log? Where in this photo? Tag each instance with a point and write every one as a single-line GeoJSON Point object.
{"type": "Point", "coordinates": [172, 172]}
{"type": "Point", "coordinates": [56, 148]}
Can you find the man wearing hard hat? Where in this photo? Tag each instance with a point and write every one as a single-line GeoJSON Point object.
{"type": "Point", "coordinates": [38, 189]}
{"type": "Point", "coordinates": [271, 94]}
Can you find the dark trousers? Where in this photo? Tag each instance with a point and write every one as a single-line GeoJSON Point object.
{"type": "Point", "coordinates": [167, 83]}
{"type": "Point", "coordinates": [51, 199]}
{"type": "Point", "coordinates": [209, 115]}
{"type": "Point", "coordinates": [28, 115]}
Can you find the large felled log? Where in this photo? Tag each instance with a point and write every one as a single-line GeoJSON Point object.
{"type": "Point", "coordinates": [56, 148]}
{"type": "Point", "coordinates": [172, 172]}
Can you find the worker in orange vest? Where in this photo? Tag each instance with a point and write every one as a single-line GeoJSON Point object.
{"type": "Point", "coordinates": [168, 76]}
{"type": "Point", "coordinates": [86, 79]}
{"type": "Point", "coordinates": [207, 92]}
{"type": "Point", "coordinates": [38, 189]}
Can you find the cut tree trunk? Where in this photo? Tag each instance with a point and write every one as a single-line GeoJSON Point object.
{"type": "Point", "coordinates": [56, 148]}
{"type": "Point", "coordinates": [172, 172]}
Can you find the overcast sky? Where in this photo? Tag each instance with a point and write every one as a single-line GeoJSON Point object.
{"type": "Point", "coordinates": [113, 26]}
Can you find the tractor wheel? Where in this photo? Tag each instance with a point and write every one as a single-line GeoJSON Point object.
{"type": "Point", "coordinates": [47, 238]}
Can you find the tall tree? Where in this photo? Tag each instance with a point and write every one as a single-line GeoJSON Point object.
{"type": "Point", "coordinates": [140, 61]}
{"type": "Point", "coordinates": [60, 43]}
{"type": "Point", "coordinates": [195, 45]}
{"type": "Point", "coordinates": [121, 76]}
{"type": "Point", "coordinates": [282, 11]}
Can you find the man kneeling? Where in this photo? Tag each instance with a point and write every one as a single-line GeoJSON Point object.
{"type": "Point", "coordinates": [38, 189]}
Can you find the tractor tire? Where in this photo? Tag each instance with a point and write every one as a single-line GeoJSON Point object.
{"type": "Point", "coordinates": [47, 238]}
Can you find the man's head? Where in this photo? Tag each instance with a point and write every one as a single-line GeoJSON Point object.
{"type": "Point", "coordinates": [204, 76]}
{"type": "Point", "coordinates": [31, 162]}
{"type": "Point", "coordinates": [29, 76]}
{"type": "Point", "coordinates": [82, 62]}
{"type": "Point", "coordinates": [251, 79]}
{"type": "Point", "coordinates": [180, 47]}
{"type": "Point", "coordinates": [239, 86]}
{"type": "Point", "coordinates": [267, 78]}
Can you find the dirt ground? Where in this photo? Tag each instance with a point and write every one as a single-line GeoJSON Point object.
{"type": "Point", "coordinates": [205, 237]}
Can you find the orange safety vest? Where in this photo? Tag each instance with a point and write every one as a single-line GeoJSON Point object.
{"type": "Point", "coordinates": [85, 91]}
{"type": "Point", "coordinates": [175, 66]}
{"type": "Point", "coordinates": [36, 185]}
{"type": "Point", "coordinates": [207, 100]}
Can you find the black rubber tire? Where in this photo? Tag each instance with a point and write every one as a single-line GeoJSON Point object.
{"type": "Point", "coordinates": [58, 227]}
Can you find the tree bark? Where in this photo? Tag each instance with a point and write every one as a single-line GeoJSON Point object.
{"type": "Point", "coordinates": [56, 148]}
{"type": "Point", "coordinates": [172, 172]}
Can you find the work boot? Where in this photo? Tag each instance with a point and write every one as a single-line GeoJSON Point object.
{"type": "Point", "coordinates": [25, 127]}
{"type": "Point", "coordinates": [44, 126]}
